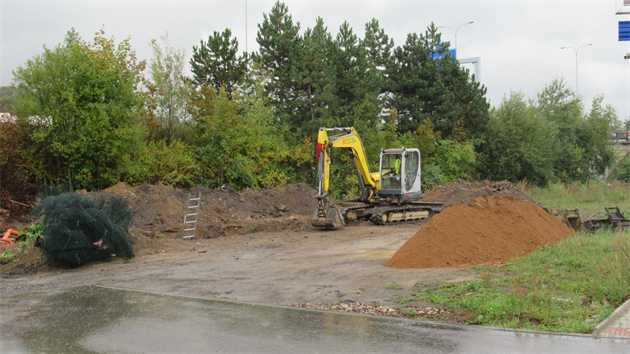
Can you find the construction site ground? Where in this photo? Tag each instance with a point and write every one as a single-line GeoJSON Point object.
{"type": "Point", "coordinates": [253, 246]}
{"type": "Point", "coordinates": [284, 267]}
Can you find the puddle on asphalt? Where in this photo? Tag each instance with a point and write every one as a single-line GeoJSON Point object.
{"type": "Point", "coordinates": [101, 320]}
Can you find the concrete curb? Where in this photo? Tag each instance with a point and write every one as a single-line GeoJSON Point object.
{"type": "Point", "coordinates": [613, 317]}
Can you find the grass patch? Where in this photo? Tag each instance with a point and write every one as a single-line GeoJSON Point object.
{"type": "Point", "coordinates": [570, 286]}
{"type": "Point", "coordinates": [587, 196]}
{"type": "Point", "coordinates": [394, 286]}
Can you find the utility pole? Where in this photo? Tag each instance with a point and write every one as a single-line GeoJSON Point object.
{"type": "Point", "coordinates": [576, 63]}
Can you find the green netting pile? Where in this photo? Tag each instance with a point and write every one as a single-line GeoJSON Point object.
{"type": "Point", "coordinates": [79, 229]}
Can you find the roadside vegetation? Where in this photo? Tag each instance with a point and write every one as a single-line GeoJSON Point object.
{"type": "Point", "coordinates": [591, 196]}
{"type": "Point", "coordinates": [570, 286]}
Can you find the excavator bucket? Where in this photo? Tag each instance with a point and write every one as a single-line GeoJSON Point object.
{"type": "Point", "coordinates": [571, 217]}
{"type": "Point", "coordinates": [326, 216]}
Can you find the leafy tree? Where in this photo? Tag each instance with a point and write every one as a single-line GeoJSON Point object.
{"type": "Point", "coordinates": [218, 126]}
{"type": "Point", "coordinates": [7, 98]}
{"type": "Point", "coordinates": [575, 155]}
{"type": "Point", "coordinates": [594, 136]}
{"type": "Point", "coordinates": [168, 87]}
{"type": "Point", "coordinates": [82, 98]}
{"type": "Point", "coordinates": [280, 44]}
{"type": "Point", "coordinates": [216, 63]}
{"type": "Point", "coordinates": [514, 148]}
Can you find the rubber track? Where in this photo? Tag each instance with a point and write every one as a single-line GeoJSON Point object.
{"type": "Point", "coordinates": [377, 218]}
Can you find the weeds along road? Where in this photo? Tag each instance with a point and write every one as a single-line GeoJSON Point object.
{"type": "Point", "coordinates": [280, 268]}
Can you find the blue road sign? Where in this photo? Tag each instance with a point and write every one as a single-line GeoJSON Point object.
{"type": "Point", "coordinates": [624, 31]}
{"type": "Point", "coordinates": [453, 53]}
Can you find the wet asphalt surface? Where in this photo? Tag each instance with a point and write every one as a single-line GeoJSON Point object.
{"type": "Point", "coordinates": [102, 320]}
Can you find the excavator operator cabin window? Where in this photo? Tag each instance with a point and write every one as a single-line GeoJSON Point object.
{"type": "Point", "coordinates": [390, 170]}
{"type": "Point", "coordinates": [412, 163]}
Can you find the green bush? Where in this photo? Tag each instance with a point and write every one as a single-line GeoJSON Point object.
{"type": "Point", "coordinates": [175, 165]}
{"type": "Point", "coordinates": [622, 172]}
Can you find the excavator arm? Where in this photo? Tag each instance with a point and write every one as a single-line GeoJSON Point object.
{"type": "Point", "coordinates": [325, 215]}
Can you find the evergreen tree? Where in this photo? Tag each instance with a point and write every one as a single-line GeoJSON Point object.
{"type": "Point", "coordinates": [427, 82]}
{"type": "Point", "coordinates": [378, 47]}
{"type": "Point", "coordinates": [280, 43]}
{"type": "Point", "coordinates": [316, 78]}
{"type": "Point", "coordinates": [216, 63]}
{"type": "Point", "coordinates": [357, 86]}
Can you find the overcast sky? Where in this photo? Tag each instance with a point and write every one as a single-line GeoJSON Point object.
{"type": "Point", "coordinates": [518, 41]}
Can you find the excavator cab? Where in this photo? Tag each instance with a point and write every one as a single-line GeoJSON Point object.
{"type": "Point", "coordinates": [400, 174]}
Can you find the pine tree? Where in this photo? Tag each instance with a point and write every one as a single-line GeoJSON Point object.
{"type": "Point", "coordinates": [316, 78]}
{"type": "Point", "coordinates": [280, 43]}
{"type": "Point", "coordinates": [378, 47]}
{"type": "Point", "coordinates": [357, 81]}
{"type": "Point", "coordinates": [216, 63]}
{"type": "Point", "coordinates": [436, 88]}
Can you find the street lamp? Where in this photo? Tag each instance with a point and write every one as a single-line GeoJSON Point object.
{"type": "Point", "coordinates": [576, 62]}
{"type": "Point", "coordinates": [456, 29]}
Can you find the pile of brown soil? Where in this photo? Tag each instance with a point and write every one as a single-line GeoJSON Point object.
{"type": "Point", "coordinates": [486, 231]}
{"type": "Point", "coordinates": [160, 208]}
{"type": "Point", "coordinates": [464, 192]}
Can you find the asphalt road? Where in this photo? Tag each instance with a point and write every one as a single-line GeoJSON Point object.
{"type": "Point", "coordinates": [101, 320]}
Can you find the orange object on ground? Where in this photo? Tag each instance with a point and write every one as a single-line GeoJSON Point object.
{"type": "Point", "coordinates": [6, 236]}
{"type": "Point", "coordinates": [486, 231]}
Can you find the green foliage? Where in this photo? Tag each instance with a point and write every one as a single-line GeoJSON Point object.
{"type": "Point", "coordinates": [456, 160]}
{"type": "Point", "coordinates": [393, 286]}
{"type": "Point", "coordinates": [431, 176]}
{"type": "Point", "coordinates": [439, 89]}
{"type": "Point", "coordinates": [79, 109]}
{"type": "Point", "coordinates": [569, 286]}
{"type": "Point", "coordinates": [7, 98]}
{"type": "Point", "coordinates": [216, 63]}
{"type": "Point", "coordinates": [316, 79]}
{"type": "Point", "coordinates": [622, 172]}
{"type": "Point", "coordinates": [549, 139]}
{"type": "Point", "coordinates": [175, 165]}
{"type": "Point", "coordinates": [585, 196]}
{"type": "Point", "coordinates": [168, 90]}
{"type": "Point", "coordinates": [378, 47]}
{"type": "Point", "coordinates": [520, 143]}
{"type": "Point", "coordinates": [243, 150]}
{"type": "Point", "coordinates": [279, 49]}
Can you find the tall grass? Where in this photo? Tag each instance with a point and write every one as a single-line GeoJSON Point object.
{"type": "Point", "coordinates": [570, 286]}
{"type": "Point", "coordinates": [587, 196]}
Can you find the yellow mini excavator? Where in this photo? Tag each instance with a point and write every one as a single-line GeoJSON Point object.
{"type": "Point", "coordinates": [390, 195]}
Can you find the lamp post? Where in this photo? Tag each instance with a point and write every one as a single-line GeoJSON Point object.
{"type": "Point", "coordinates": [456, 29]}
{"type": "Point", "coordinates": [576, 62]}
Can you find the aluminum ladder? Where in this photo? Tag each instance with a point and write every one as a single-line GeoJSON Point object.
{"type": "Point", "coordinates": [192, 210]}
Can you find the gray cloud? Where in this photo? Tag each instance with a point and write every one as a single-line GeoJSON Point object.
{"type": "Point", "coordinates": [519, 42]}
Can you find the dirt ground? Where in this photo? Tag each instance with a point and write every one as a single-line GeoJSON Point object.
{"type": "Point", "coordinates": [255, 246]}
{"type": "Point", "coordinates": [282, 267]}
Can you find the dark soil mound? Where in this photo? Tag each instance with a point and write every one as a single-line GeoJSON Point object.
{"type": "Point", "coordinates": [464, 192]}
{"type": "Point", "coordinates": [223, 211]}
{"type": "Point", "coordinates": [486, 231]}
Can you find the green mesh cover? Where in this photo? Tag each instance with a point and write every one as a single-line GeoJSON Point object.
{"type": "Point", "coordinates": [79, 229]}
